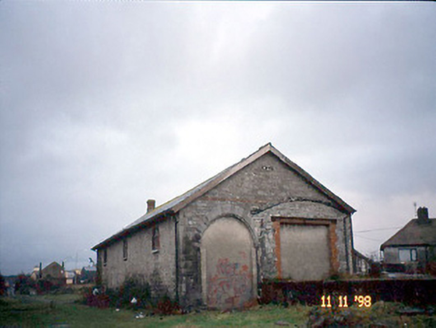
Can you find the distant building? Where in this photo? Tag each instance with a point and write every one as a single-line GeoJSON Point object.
{"type": "Point", "coordinates": [70, 277]}
{"type": "Point", "coordinates": [414, 246]}
{"type": "Point", "coordinates": [362, 263]}
{"type": "Point", "coordinates": [36, 273]}
{"type": "Point", "coordinates": [53, 272]}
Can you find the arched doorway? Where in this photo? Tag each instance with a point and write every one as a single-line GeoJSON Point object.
{"type": "Point", "coordinates": [227, 262]}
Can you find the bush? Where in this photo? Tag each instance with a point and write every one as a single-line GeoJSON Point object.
{"type": "Point", "coordinates": [24, 285]}
{"type": "Point", "coordinates": [375, 270]}
{"type": "Point", "coordinates": [2, 286]}
{"type": "Point", "coordinates": [120, 297]}
{"type": "Point", "coordinates": [431, 268]}
{"type": "Point", "coordinates": [135, 288]}
{"type": "Point", "coordinates": [166, 306]}
{"type": "Point", "coordinates": [99, 300]}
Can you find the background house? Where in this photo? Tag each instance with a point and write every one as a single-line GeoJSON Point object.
{"type": "Point", "coordinates": [362, 263]}
{"type": "Point", "coordinates": [262, 218]}
{"type": "Point", "coordinates": [71, 277]}
{"type": "Point", "coordinates": [54, 272]}
{"type": "Point", "coordinates": [412, 248]}
{"type": "Point", "coordinates": [36, 272]}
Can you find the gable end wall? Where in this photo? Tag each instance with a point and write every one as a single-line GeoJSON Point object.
{"type": "Point", "coordinates": [264, 186]}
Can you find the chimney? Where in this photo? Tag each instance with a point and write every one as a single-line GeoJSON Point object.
{"type": "Point", "coordinates": [151, 203]}
{"type": "Point", "coordinates": [423, 215]}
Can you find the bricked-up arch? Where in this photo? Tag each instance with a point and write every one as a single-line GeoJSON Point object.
{"type": "Point", "coordinates": [228, 264]}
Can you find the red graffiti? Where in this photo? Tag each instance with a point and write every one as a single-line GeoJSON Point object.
{"type": "Point", "coordinates": [230, 286]}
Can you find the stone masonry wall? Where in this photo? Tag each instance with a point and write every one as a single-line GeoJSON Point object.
{"type": "Point", "coordinates": [265, 188]}
{"type": "Point", "coordinates": [155, 267]}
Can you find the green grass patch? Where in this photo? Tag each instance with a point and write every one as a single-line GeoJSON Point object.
{"type": "Point", "coordinates": [52, 310]}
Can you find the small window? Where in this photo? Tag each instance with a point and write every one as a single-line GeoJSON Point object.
{"type": "Point", "coordinates": [155, 242]}
{"type": "Point", "coordinates": [125, 249]}
{"type": "Point", "coordinates": [105, 257]}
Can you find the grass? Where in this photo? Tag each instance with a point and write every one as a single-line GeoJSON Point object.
{"type": "Point", "coordinates": [58, 310]}
{"type": "Point", "coordinates": [65, 311]}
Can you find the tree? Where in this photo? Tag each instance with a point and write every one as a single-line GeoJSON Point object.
{"type": "Point", "coordinates": [2, 285]}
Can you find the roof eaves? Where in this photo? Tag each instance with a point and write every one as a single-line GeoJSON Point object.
{"type": "Point", "coordinates": [132, 228]}
{"type": "Point", "coordinates": [407, 245]}
{"type": "Point", "coordinates": [358, 254]}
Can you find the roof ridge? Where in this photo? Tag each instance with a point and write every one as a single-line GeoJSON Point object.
{"type": "Point", "coordinates": [179, 202]}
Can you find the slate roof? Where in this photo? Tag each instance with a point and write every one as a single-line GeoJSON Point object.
{"type": "Point", "coordinates": [361, 256]}
{"type": "Point", "coordinates": [176, 204]}
{"type": "Point", "coordinates": [414, 233]}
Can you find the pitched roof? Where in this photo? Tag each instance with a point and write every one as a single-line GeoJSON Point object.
{"type": "Point", "coordinates": [361, 256]}
{"type": "Point", "coordinates": [176, 204]}
{"type": "Point", "coordinates": [53, 264]}
{"type": "Point", "coordinates": [414, 233]}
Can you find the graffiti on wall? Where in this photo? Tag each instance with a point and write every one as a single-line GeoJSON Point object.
{"type": "Point", "coordinates": [231, 284]}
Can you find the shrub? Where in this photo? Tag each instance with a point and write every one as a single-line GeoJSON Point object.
{"type": "Point", "coordinates": [166, 306]}
{"type": "Point", "coordinates": [133, 287]}
{"type": "Point", "coordinates": [375, 270]}
{"type": "Point", "coordinates": [431, 268]}
{"type": "Point", "coordinates": [2, 286]}
{"type": "Point", "coordinates": [95, 300]}
{"type": "Point", "coordinates": [120, 297]}
{"type": "Point", "coordinates": [23, 284]}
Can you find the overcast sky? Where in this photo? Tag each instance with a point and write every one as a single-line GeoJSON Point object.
{"type": "Point", "coordinates": [107, 104]}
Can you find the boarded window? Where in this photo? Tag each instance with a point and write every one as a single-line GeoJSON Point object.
{"type": "Point", "coordinates": [125, 249]}
{"type": "Point", "coordinates": [155, 240]}
{"type": "Point", "coordinates": [105, 257]}
{"type": "Point", "coordinates": [305, 252]}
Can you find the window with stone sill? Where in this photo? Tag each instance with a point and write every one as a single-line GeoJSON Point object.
{"type": "Point", "coordinates": [105, 257]}
{"type": "Point", "coordinates": [125, 249]}
{"type": "Point", "coordinates": [155, 240]}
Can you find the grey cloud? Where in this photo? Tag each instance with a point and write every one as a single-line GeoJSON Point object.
{"type": "Point", "coordinates": [98, 99]}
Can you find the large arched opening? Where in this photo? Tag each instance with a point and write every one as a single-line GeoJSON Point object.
{"type": "Point", "coordinates": [228, 264]}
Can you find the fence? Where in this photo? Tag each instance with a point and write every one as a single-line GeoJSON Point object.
{"type": "Point", "coordinates": [342, 293]}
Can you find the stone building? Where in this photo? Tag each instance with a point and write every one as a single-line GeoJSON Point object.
{"type": "Point", "coordinates": [362, 263]}
{"type": "Point", "coordinates": [262, 218]}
